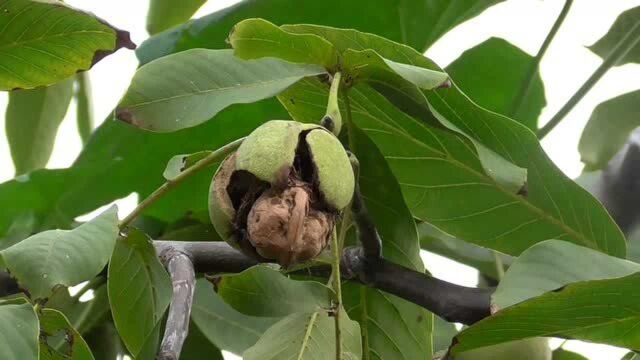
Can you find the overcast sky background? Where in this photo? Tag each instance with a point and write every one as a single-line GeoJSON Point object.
{"type": "Point", "coordinates": [524, 23]}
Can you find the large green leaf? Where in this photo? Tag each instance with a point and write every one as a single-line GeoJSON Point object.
{"type": "Point", "coordinates": [494, 84]}
{"type": "Point", "coordinates": [164, 14]}
{"type": "Point", "coordinates": [393, 328]}
{"type": "Point", "coordinates": [263, 291]}
{"type": "Point", "coordinates": [608, 129]}
{"type": "Point", "coordinates": [140, 289]}
{"type": "Point", "coordinates": [552, 264]}
{"type": "Point", "coordinates": [442, 179]}
{"type": "Point", "coordinates": [61, 257]}
{"type": "Point", "coordinates": [54, 327]}
{"type": "Point", "coordinates": [44, 42]}
{"type": "Point", "coordinates": [32, 121]}
{"type": "Point", "coordinates": [188, 88]}
{"type": "Point", "coordinates": [306, 336]}
{"type": "Point", "coordinates": [415, 23]}
{"type": "Point", "coordinates": [603, 311]}
{"type": "Point", "coordinates": [443, 332]}
{"type": "Point", "coordinates": [19, 331]}
{"type": "Point", "coordinates": [221, 324]}
{"type": "Point", "coordinates": [621, 27]}
{"type": "Point", "coordinates": [438, 242]}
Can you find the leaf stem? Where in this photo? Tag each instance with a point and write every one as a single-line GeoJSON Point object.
{"type": "Point", "coordinates": [527, 84]}
{"type": "Point", "coordinates": [337, 287]}
{"type": "Point", "coordinates": [84, 116]}
{"type": "Point", "coordinates": [187, 173]}
{"type": "Point", "coordinates": [620, 50]}
{"type": "Point", "coordinates": [332, 120]}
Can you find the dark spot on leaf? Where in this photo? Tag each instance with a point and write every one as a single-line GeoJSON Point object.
{"type": "Point", "coordinates": [292, 101]}
{"type": "Point", "coordinates": [445, 85]}
{"type": "Point", "coordinates": [524, 190]}
{"type": "Point", "coordinates": [328, 123]}
{"type": "Point", "coordinates": [125, 115]}
{"type": "Point", "coordinates": [559, 289]}
{"type": "Point", "coordinates": [123, 40]}
{"type": "Point", "coordinates": [420, 318]}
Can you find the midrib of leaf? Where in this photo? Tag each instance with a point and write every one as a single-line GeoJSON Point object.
{"type": "Point", "coordinates": [233, 323]}
{"type": "Point", "coordinates": [364, 318]}
{"type": "Point", "coordinates": [45, 39]}
{"type": "Point", "coordinates": [204, 92]}
{"type": "Point", "coordinates": [446, 157]}
{"type": "Point", "coordinates": [307, 335]}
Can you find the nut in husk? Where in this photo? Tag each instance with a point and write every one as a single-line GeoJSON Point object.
{"type": "Point", "coordinates": [279, 196]}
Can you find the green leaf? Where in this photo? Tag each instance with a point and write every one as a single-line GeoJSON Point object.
{"type": "Point", "coordinates": [608, 129]}
{"type": "Point", "coordinates": [263, 291]}
{"type": "Point", "coordinates": [438, 242]}
{"type": "Point", "coordinates": [393, 328]}
{"type": "Point", "coordinates": [139, 288]}
{"type": "Point", "coordinates": [180, 163]}
{"type": "Point", "coordinates": [44, 42]}
{"type": "Point", "coordinates": [62, 257]}
{"type": "Point", "coordinates": [197, 345]}
{"type": "Point", "coordinates": [164, 14]}
{"type": "Point", "coordinates": [415, 23]}
{"type": "Point", "coordinates": [105, 342]}
{"type": "Point", "coordinates": [504, 75]}
{"type": "Point", "coordinates": [32, 121]}
{"type": "Point", "coordinates": [84, 107]}
{"type": "Point", "coordinates": [530, 349]}
{"type": "Point", "coordinates": [19, 331]}
{"type": "Point", "coordinates": [59, 340]}
{"type": "Point", "coordinates": [85, 315]}
{"type": "Point", "coordinates": [221, 324]}
{"type": "Point", "coordinates": [257, 38]}
{"type": "Point", "coordinates": [552, 264]}
{"type": "Point", "coordinates": [479, 208]}
{"type": "Point", "coordinates": [621, 27]}
{"type": "Point", "coordinates": [367, 65]}
{"type": "Point", "coordinates": [307, 336]}
{"type": "Point", "coordinates": [562, 354]}
{"type": "Point", "coordinates": [188, 88]}
{"type": "Point", "coordinates": [597, 311]}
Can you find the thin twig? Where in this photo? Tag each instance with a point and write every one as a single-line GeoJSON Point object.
{"type": "Point", "coordinates": [527, 84]}
{"type": "Point", "coordinates": [215, 156]}
{"type": "Point", "coordinates": [620, 50]}
{"type": "Point", "coordinates": [337, 288]}
{"type": "Point", "coordinates": [183, 280]}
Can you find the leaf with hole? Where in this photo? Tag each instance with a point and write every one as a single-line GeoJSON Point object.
{"type": "Point", "coordinates": [44, 42]}
{"type": "Point", "coordinates": [62, 257]}
{"type": "Point", "coordinates": [138, 287]}
{"type": "Point", "coordinates": [59, 340]}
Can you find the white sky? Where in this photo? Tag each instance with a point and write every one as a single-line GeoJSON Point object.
{"type": "Point", "coordinates": [524, 23]}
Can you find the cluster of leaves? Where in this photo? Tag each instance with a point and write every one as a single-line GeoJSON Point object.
{"type": "Point", "coordinates": [443, 167]}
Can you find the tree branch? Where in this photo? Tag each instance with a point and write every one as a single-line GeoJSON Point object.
{"type": "Point", "coordinates": [452, 302]}
{"type": "Point", "coordinates": [183, 280]}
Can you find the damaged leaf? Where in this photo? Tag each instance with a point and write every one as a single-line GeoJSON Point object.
{"type": "Point", "coordinates": [42, 43]}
